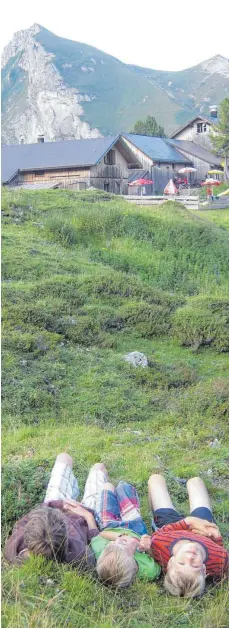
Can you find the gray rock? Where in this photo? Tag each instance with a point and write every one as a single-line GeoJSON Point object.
{"type": "Point", "coordinates": [137, 359]}
{"type": "Point", "coordinates": [214, 443]}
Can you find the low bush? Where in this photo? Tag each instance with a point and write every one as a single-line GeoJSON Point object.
{"type": "Point", "coordinates": [62, 232]}
{"type": "Point", "coordinates": [202, 322]}
{"type": "Point", "coordinates": [33, 341]}
{"type": "Point", "coordinates": [147, 319]}
{"type": "Point", "coordinates": [23, 488]}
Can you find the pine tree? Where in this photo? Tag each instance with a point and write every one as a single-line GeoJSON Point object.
{"type": "Point", "coordinates": [149, 127]}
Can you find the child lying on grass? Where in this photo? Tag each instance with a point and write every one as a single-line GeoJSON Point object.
{"type": "Point", "coordinates": [117, 512]}
{"type": "Point", "coordinates": [52, 530]}
{"type": "Point", "coordinates": [116, 548]}
{"type": "Point", "coordinates": [188, 549]}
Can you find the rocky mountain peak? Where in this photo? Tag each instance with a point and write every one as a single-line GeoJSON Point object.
{"type": "Point", "coordinates": [216, 65]}
{"type": "Point", "coordinates": [20, 41]}
{"type": "Point", "coordinates": [49, 107]}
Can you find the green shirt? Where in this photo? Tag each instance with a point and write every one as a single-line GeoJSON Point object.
{"type": "Point", "coordinates": [147, 567]}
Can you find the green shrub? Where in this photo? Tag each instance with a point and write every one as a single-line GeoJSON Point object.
{"type": "Point", "coordinates": [205, 399]}
{"type": "Point", "coordinates": [62, 232]}
{"type": "Point", "coordinates": [147, 319]}
{"type": "Point", "coordinates": [203, 321]}
{"type": "Point", "coordinates": [36, 342]}
{"type": "Point", "coordinates": [122, 285]}
{"type": "Point", "coordinates": [23, 488]}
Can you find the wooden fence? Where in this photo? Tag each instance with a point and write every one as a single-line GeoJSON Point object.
{"type": "Point", "coordinates": [190, 202]}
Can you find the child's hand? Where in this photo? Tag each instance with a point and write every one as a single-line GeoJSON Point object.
{"type": "Point", "coordinates": [145, 544]}
{"type": "Point", "coordinates": [74, 507]}
{"type": "Point", "coordinates": [203, 527]}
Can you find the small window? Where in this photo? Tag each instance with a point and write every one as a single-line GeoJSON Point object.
{"type": "Point", "coordinates": [109, 158]}
{"type": "Point", "coordinates": [38, 173]}
{"type": "Point", "coordinates": [173, 166]}
{"type": "Point", "coordinates": [204, 128]}
{"type": "Point", "coordinates": [199, 127]}
{"type": "Point", "coordinates": [106, 187]}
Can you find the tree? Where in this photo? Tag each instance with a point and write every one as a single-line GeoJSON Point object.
{"type": "Point", "coordinates": [149, 126]}
{"type": "Point", "coordinates": [220, 134]}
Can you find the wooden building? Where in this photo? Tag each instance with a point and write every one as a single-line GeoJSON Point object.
{"type": "Point", "coordinates": [102, 163]}
{"type": "Point", "coordinates": [162, 158]}
{"type": "Point", "coordinates": [202, 158]}
{"type": "Point", "coordinates": [197, 129]}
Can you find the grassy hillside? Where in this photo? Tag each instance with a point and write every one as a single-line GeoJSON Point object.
{"type": "Point", "coordinates": [118, 95]}
{"type": "Point", "coordinates": [87, 278]}
{"type": "Point", "coordinates": [194, 88]}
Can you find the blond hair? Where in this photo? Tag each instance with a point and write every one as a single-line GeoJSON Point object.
{"type": "Point", "coordinates": [115, 567]}
{"type": "Point", "coordinates": [187, 585]}
{"type": "Point", "coordinates": [46, 533]}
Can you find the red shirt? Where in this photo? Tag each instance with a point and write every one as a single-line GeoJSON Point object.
{"type": "Point", "coordinates": [217, 557]}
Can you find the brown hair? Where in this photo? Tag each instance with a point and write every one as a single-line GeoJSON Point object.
{"type": "Point", "coordinates": [187, 585]}
{"type": "Point", "coordinates": [115, 567]}
{"type": "Point", "coordinates": [46, 533]}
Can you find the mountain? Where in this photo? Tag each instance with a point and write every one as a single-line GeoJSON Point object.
{"type": "Point", "coordinates": [65, 89]}
{"type": "Point", "coordinates": [194, 89]}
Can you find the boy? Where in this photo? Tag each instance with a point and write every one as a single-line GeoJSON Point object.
{"type": "Point", "coordinates": [56, 530]}
{"type": "Point", "coordinates": [188, 549]}
{"type": "Point", "coordinates": [116, 548]}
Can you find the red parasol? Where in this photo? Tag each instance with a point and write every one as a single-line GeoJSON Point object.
{"type": "Point", "coordinates": [211, 182]}
{"type": "Point", "coordinates": [141, 182]}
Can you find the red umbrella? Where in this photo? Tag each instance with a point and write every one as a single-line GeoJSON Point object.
{"type": "Point", "coordinates": [141, 182]}
{"type": "Point", "coordinates": [211, 182]}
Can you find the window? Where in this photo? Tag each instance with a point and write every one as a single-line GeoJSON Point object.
{"type": "Point", "coordinates": [173, 167]}
{"type": "Point", "coordinates": [106, 187]}
{"type": "Point", "coordinates": [109, 158]}
{"type": "Point", "coordinates": [205, 128]}
{"type": "Point", "coordinates": [199, 127]}
{"type": "Point", "coordinates": [39, 172]}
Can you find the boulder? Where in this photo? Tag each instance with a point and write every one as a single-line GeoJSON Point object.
{"type": "Point", "coordinates": [137, 359]}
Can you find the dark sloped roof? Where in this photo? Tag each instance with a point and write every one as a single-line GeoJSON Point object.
{"type": "Point", "coordinates": [158, 149]}
{"type": "Point", "coordinates": [53, 155]}
{"type": "Point", "coordinates": [138, 174]}
{"type": "Point", "coordinates": [204, 118]}
{"type": "Point", "coordinates": [196, 150]}
{"type": "Point", "coordinates": [39, 186]}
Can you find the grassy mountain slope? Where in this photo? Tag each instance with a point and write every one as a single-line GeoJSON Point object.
{"type": "Point", "coordinates": [195, 88]}
{"type": "Point", "coordinates": [120, 97]}
{"type": "Point", "coordinates": [114, 95]}
{"type": "Point", "coordinates": [87, 278]}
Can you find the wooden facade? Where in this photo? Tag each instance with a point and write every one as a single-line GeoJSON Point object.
{"type": "Point", "coordinates": [160, 172]}
{"type": "Point", "coordinates": [110, 174]}
{"type": "Point", "coordinates": [197, 130]}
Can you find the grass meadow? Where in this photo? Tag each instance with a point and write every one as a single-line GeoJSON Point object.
{"type": "Point", "coordinates": [88, 277]}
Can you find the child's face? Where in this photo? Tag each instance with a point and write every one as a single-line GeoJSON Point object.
{"type": "Point", "coordinates": [127, 542]}
{"type": "Point", "coordinates": [188, 557]}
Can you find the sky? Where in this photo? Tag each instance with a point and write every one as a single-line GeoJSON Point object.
{"type": "Point", "coordinates": [158, 34]}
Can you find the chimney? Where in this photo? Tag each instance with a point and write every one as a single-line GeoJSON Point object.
{"type": "Point", "coordinates": [40, 139]}
{"type": "Point", "coordinates": [213, 111]}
